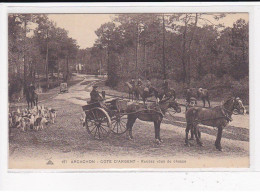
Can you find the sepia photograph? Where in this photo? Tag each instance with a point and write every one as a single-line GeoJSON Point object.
{"type": "Point", "coordinates": [128, 90]}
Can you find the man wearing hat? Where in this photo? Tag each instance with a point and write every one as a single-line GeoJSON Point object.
{"type": "Point", "coordinates": [94, 95]}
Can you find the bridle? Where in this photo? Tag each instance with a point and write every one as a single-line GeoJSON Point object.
{"type": "Point", "coordinates": [230, 111]}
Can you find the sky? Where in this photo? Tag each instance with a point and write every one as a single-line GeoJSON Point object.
{"type": "Point", "coordinates": [82, 27]}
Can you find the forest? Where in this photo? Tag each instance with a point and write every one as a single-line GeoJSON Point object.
{"type": "Point", "coordinates": [188, 49]}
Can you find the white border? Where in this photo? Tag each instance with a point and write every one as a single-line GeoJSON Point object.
{"type": "Point", "coordinates": [64, 179]}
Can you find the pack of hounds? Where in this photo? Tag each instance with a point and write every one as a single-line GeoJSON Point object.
{"type": "Point", "coordinates": [35, 118]}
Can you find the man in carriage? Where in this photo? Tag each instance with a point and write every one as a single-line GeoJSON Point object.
{"type": "Point", "coordinates": [95, 96]}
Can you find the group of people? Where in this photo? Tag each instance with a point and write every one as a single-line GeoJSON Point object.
{"type": "Point", "coordinates": [96, 97]}
{"type": "Point", "coordinates": [148, 85]}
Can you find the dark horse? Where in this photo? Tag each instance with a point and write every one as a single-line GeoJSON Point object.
{"type": "Point", "coordinates": [131, 90]}
{"type": "Point", "coordinates": [201, 93]}
{"type": "Point", "coordinates": [146, 92]}
{"type": "Point", "coordinates": [160, 93]}
{"type": "Point", "coordinates": [218, 117]}
{"type": "Point", "coordinates": [153, 113]}
{"type": "Point", "coordinates": [31, 96]}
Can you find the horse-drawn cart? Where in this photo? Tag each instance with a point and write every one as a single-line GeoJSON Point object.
{"type": "Point", "coordinates": [102, 118]}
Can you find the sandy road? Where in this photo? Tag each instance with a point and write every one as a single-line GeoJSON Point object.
{"type": "Point", "coordinates": [68, 140]}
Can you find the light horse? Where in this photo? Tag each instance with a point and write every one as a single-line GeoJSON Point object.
{"type": "Point", "coordinates": [218, 117]}
{"type": "Point", "coordinates": [31, 97]}
{"type": "Point", "coordinates": [154, 113]}
{"type": "Point", "coordinates": [201, 93]}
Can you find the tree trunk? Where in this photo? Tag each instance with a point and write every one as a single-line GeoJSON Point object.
{"type": "Point", "coordinates": [24, 56]}
{"type": "Point", "coordinates": [136, 50]}
{"type": "Point", "coordinates": [184, 52]}
{"type": "Point", "coordinates": [189, 49]}
{"type": "Point", "coordinates": [67, 62]}
{"type": "Point", "coordinates": [163, 49]}
{"type": "Point", "coordinates": [58, 69]}
{"type": "Point", "coordinates": [46, 61]}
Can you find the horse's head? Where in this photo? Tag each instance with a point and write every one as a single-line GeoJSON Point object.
{"type": "Point", "coordinates": [175, 105]}
{"type": "Point", "coordinates": [238, 106]}
{"type": "Point", "coordinates": [235, 104]}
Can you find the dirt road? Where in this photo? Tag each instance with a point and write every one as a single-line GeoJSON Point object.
{"type": "Point", "coordinates": [66, 144]}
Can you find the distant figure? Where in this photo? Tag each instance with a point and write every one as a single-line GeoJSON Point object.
{"type": "Point", "coordinates": [132, 82]}
{"type": "Point", "coordinates": [94, 95]}
{"type": "Point", "coordinates": [165, 86]}
{"type": "Point", "coordinates": [31, 87]}
{"type": "Point", "coordinates": [149, 83]}
{"type": "Point", "coordinates": [139, 82]}
{"type": "Point", "coordinates": [31, 96]}
{"type": "Point", "coordinates": [149, 86]}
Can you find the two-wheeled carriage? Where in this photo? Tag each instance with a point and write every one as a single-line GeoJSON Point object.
{"type": "Point", "coordinates": [102, 118]}
{"type": "Point", "coordinates": [64, 87]}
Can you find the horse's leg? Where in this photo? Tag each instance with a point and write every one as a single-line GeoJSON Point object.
{"type": "Point", "coordinates": [36, 102]}
{"type": "Point", "coordinates": [218, 139]}
{"type": "Point", "coordinates": [197, 135]}
{"type": "Point", "coordinates": [187, 134]}
{"type": "Point", "coordinates": [203, 99]}
{"type": "Point", "coordinates": [155, 130]}
{"type": "Point", "coordinates": [208, 101]}
{"type": "Point", "coordinates": [129, 125]}
{"type": "Point", "coordinates": [159, 131]}
{"type": "Point", "coordinates": [192, 133]}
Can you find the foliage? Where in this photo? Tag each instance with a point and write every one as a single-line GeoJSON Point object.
{"type": "Point", "coordinates": [189, 49]}
{"type": "Point", "coordinates": [37, 47]}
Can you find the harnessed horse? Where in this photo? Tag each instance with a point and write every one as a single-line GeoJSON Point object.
{"type": "Point", "coordinates": [154, 113]}
{"type": "Point", "coordinates": [218, 117]}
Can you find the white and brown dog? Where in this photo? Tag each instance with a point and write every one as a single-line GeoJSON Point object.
{"type": "Point", "coordinates": [40, 122]}
{"type": "Point", "coordinates": [83, 120]}
{"type": "Point", "coordinates": [52, 114]}
{"type": "Point", "coordinates": [24, 124]}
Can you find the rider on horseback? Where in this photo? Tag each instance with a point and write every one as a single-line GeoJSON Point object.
{"type": "Point", "coordinates": [31, 87]}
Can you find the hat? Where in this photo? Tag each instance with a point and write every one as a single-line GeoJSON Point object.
{"type": "Point", "coordinates": [95, 86]}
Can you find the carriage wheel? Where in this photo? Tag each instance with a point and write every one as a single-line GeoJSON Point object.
{"type": "Point", "coordinates": [98, 123]}
{"type": "Point", "coordinates": [119, 124]}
